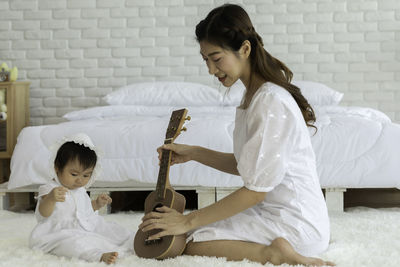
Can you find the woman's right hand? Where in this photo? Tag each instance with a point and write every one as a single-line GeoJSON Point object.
{"type": "Point", "coordinates": [180, 153]}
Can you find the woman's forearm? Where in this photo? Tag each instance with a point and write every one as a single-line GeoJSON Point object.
{"type": "Point", "coordinates": [221, 161]}
{"type": "Point", "coordinates": [232, 204]}
{"type": "Point", "coordinates": [46, 206]}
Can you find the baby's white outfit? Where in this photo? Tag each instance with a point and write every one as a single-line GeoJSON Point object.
{"type": "Point", "coordinates": [274, 154]}
{"type": "Point", "coordinates": [75, 230]}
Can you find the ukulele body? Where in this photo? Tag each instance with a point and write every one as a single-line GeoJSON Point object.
{"type": "Point", "coordinates": [168, 246]}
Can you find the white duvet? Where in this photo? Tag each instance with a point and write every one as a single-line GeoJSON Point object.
{"type": "Point", "coordinates": [355, 147]}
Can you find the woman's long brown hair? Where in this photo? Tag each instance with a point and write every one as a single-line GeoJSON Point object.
{"type": "Point", "coordinates": [228, 26]}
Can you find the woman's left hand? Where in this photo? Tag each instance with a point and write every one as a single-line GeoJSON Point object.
{"type": "Point", "coordinates": [169, 221]}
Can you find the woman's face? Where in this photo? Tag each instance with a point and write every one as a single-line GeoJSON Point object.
{"type": "Point", "coordinates": [224, 64]}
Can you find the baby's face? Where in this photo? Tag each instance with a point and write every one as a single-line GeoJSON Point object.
{"type": "Point", "coordinates": [74, 175]}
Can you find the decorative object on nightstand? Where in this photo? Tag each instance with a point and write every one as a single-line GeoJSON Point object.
{"type": "Point", "coordinates": [3, 106]}
{"type": "Point", "coordinates": [7, 74]}
{"type": "Point", "coordinates": [3, 75]}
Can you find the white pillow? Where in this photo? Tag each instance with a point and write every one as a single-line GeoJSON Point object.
{"type": "Point", "coordinates": [319, 94]}
{"type": "Point", "coordinates": [102, 112]}
{"type": "Point", "coordinates": [165, 94]}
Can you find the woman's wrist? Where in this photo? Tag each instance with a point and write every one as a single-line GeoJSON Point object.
{"type": "Point", "coordinates": [196, 151]}
{"type": "Point", "coordinates": [191, 221]}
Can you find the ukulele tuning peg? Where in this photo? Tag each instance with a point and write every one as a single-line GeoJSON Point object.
{"type": "Point", "coordinates": [188, 118]}
{"type": "Point", "coordinates": [184, 129]}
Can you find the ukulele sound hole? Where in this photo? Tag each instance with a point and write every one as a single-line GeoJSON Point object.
{"type": "Point", "coordinates": [157, 240]}
{"type": "Point", "coordinates": [152, 242]}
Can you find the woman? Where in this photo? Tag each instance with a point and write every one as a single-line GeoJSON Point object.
{"type": "Point", "coordinates": [279, 215]}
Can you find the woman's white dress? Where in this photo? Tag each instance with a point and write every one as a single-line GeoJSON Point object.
{"type": "Point", "coordinates": [273, 151]}
{"type": "Point", "coordinates": [75, 230]}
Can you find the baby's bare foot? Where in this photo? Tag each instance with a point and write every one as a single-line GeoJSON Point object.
{"type": "Point", "coordinates": [282, 252]}
{"type": "Point", "coordinates": [109, 257]}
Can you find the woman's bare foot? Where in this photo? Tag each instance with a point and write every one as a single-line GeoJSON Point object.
{"type": "Point", "coordinates": [280, 251]}
{"type": "Point", "coordinates": [109, 257]}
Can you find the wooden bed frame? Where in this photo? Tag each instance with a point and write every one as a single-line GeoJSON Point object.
{"type": "Point", "coordinates": [205, 195]}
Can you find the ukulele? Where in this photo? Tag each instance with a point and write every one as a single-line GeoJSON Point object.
{"type": "Point", "coordinates": [173, 245]}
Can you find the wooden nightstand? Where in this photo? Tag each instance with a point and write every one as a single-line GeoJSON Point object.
{"type": "Point", "coordinates": [17, 101]}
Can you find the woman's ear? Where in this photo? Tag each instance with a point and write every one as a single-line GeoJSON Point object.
{"type": "Point", "coordinates": [245, 49]}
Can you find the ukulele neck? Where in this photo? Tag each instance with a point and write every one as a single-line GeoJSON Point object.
{"type": "Point", "coordinates": [163, 173]}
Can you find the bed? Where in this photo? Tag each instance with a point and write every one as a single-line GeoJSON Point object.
{"type": "Point", "coordinates": [355, 147]}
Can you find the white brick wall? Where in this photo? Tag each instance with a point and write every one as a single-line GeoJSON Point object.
{"type": "Point", "coordinates": [74, 52]}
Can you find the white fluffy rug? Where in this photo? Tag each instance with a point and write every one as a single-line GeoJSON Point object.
{"type": "Point", "coordinates": [360, 237]}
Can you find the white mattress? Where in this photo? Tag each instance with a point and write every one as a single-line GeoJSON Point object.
{"type": "Point", "coordinates": [355, 147]}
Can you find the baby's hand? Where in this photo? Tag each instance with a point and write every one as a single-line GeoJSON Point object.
{"type": "Point", "coordinates": [58, 194]}
{"type": "Point", "coordinates": [103, 200]}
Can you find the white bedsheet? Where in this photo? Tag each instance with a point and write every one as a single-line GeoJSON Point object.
{"type": "Point", "coordinates": [355, 147]}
